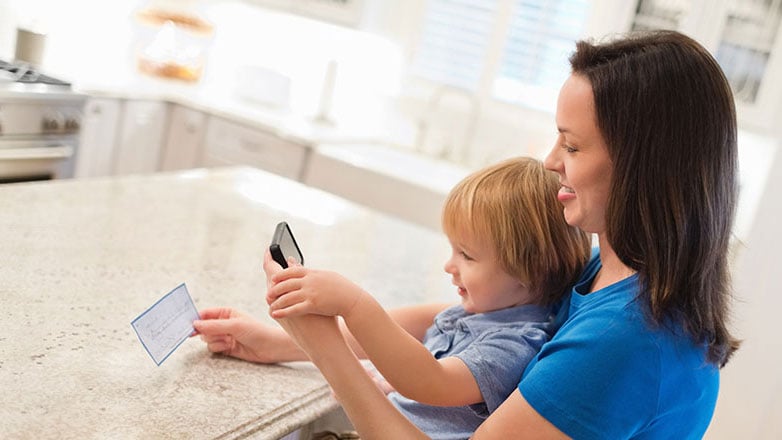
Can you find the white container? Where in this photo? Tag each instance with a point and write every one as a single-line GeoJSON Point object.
{"type": "Point", "coordinates": [30, 46]}
{"type": "Point", "coordinates": [263, 85]}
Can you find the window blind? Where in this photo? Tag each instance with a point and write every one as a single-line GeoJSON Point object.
{"type": "Point", "coordinates": [541, 37]}
{"type": "Point", "coordinates": [454, 41]}
{"type": "Point", "coordinates": [531, 63]}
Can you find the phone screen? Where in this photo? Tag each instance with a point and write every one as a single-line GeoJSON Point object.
{"type": "Point", "coordinates": [284, 246]}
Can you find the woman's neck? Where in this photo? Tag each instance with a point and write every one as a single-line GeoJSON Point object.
{"type": "Point", "coordinates": [612, 270]}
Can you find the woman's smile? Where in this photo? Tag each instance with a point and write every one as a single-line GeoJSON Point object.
{"type": "Point", "coordinates": [565, 193]}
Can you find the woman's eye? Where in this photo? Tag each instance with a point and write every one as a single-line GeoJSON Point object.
{"type": "Point", "coordinates": [562, 141]}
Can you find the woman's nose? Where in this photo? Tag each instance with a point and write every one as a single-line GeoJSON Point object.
{"type": "Point", "coordinates": [552, 162]}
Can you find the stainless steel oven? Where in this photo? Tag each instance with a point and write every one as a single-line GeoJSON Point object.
{"type": "Point", "coordinates": [40, 119]}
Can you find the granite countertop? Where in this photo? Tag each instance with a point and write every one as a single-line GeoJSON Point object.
{"type": "Point", "coordinates": [84, 257]}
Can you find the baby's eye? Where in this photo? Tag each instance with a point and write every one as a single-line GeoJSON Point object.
{"type": "Point", "coordinates": [465, 256]}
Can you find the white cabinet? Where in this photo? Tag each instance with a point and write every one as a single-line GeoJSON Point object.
{"type": "Point", "coordinates": [746, 39]}
{"type": "Point", "coordinates": [231, 143]}
{"type": "Point", "coordinates": [185, 139]}
{"type": "Point", "coordinates": [121, 137]}
{"type": "Point", "coordinates": [100, 122]}
{"type": "Point", "coordinates": [145, 136]}
{"type": "Point", "coordinates": [141, 134]}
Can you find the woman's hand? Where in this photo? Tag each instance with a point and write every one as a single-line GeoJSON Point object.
{"type": "Point", "coordinates": [232, 333]}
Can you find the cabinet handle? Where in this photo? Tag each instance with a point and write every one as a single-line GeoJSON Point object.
{"type": "Point", "coordinates": [49, 153]}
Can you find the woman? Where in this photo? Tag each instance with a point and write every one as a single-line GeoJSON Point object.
{"type": "Point", "coordinates": [647, 160]}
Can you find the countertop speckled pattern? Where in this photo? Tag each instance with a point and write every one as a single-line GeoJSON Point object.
{"type": "Point", "coordinates": [82, 258]}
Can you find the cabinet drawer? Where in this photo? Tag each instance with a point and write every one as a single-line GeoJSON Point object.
{"type": "Point", "coordinates": [140, 140]}
{"type": "Point", "coordinates": [100, 125]}
{"type": "Point", "coordinates": [231, 143]}
{"type": "Point", "coordinates": [185, 139]}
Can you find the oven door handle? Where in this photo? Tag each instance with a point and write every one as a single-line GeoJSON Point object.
{"type": "Point", "coordinates": [56, 152]}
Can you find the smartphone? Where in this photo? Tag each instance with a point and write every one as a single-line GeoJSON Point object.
{"type": "Point", "coordinates": [284, 246]}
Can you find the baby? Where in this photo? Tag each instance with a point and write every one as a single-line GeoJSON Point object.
{"type": "Point", "coordinates": [513, 257]}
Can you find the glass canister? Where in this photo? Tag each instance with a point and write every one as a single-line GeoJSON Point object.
{"type": "Point", "coordinates": [173, 40]}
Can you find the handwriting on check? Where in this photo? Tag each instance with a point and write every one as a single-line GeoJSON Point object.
{"type": "Point", "coordinates": [165, 325]}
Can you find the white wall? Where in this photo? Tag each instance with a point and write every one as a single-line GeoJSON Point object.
{"type": "Point", "coordinates": [750, 402]}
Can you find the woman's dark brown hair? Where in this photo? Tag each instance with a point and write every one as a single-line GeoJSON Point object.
{"type": "Point", "coordinates": [667, 114]}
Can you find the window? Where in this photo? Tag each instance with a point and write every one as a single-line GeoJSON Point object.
{"type": "Point", "coordinates": [541, 37]}
{"type": "Point", "coordinates": [511, 50]}
{"type": "Point", "coordinates": [746, 33]}
{"type": "Point", "coordinates": [454, 41]}
{"type": "Point", "coordinates": [515, 50]}
{"type": "Point", "coordinates": [655, 14]}
{"type": "Point", "coordinates": [746, 45]}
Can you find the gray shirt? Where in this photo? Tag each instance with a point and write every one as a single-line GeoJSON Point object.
{"type": "Point", "coordinates": [495, 346]}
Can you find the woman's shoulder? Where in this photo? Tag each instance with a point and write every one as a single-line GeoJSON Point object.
{"type": "Point", "coordinates": [617, 322]}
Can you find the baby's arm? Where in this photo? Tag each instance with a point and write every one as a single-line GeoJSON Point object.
{"type": "Point", "coordinates": [299, 290]}
{"type": "Point", "coordinates": [406, 363]}
{"type": "Point", "coordinates": [399, 355]}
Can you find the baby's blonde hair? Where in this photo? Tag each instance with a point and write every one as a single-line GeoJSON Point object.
{"type": "Point", "coordinates": [513, 205]}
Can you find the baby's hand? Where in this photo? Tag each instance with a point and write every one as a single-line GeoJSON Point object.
{"type": "Point", "coordinates": [298, 290]}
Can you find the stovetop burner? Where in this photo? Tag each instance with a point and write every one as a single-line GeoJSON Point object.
{"type": "Point", "coordinates": [23, 73]}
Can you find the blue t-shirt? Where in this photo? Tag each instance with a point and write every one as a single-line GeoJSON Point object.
{"type": "Point", "coordinates": [610, 373]}
{"type": "Point", "coordinates": [495, 346]}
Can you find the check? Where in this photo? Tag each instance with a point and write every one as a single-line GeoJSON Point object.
{"type": "Point", "coordinates": [165, 325]}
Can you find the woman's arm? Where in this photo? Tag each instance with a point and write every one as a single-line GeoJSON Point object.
{"type": "Point", "coordinates": [515, 418]}
{"type": "Point", "coordinates": [230, 332]}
